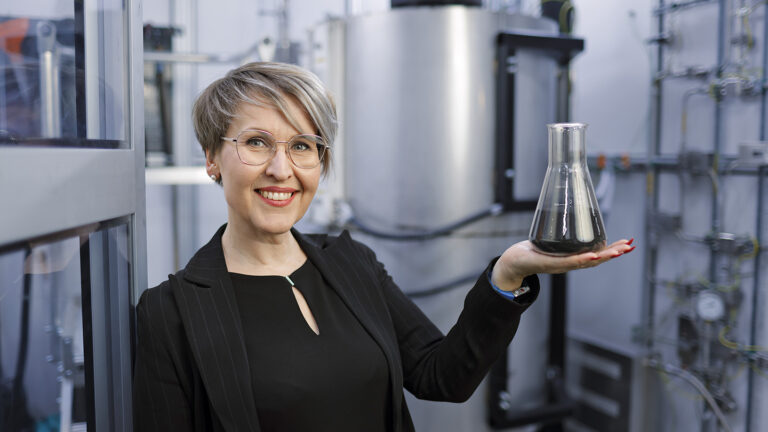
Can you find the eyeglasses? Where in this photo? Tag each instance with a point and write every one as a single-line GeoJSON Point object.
{"type": "Point", "coordinates": [257, 147]}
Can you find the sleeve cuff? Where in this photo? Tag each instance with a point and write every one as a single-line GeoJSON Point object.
{"type": "Point", "coordinates": [525, 295]}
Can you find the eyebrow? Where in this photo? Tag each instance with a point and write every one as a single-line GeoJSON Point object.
{"type": "Point", "coordinates": [316, 133]}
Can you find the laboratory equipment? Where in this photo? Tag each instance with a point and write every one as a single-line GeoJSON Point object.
{"type": "Point", "coordinates": [567, 219]}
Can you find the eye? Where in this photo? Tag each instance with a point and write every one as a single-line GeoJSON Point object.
{"type": "Point", "coordinates": [303, 145]}
{"type": "Point", "coordinates": [257, 143]}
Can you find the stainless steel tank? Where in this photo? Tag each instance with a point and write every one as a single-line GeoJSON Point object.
{"type": "Point", "coordinates": [419, 107]}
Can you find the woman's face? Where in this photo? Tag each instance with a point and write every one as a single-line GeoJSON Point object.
{"type": "Point", "coordinates": [246, 187]}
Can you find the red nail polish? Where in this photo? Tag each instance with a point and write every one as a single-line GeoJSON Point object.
{"type": "Point", "coordinates": [595, 258]}
{"type": "Point", "coordinates": [630, 250]}
{"type": "Point", "coordinates": [630, 241]}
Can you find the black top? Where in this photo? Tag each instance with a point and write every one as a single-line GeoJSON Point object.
{"type": "Point", "coordinates": [335, 381]}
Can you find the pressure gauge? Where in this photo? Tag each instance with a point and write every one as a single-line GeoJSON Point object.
{"type": "Point", "coordinates": [710, 306]}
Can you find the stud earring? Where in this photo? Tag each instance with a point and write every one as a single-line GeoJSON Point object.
{"type": "Point", "coordinates": [213, 177]}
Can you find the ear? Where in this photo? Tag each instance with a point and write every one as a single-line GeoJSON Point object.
{"type": "Point", "coordinates": [211, 165]}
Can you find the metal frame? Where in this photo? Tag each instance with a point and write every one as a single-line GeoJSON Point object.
{"type": "Point", "coordinates": [655, 163]}
{"type": "Point", "coordinates": [46, 190]}
{"type": "Point", "coordinates": [559, 406]}
{"type": "Point", "coordinates": [562, 49]}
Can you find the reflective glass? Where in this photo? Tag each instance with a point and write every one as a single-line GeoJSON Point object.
{"type": "Point", "coordinates": [62, 77]}
{"type": "Point", "coordinates": [54, 298]}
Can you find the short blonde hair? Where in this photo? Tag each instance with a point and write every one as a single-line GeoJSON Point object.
{"type": "Point", "coordinates": [260, 84]}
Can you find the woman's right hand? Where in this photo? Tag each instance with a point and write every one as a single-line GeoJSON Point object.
{"type": "Point", "coordinates": [522, 259]}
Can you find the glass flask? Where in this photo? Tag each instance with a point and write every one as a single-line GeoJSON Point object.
{"type": "Point", "coordinates": [567, 219]}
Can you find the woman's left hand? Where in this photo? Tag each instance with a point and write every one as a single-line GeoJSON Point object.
{"type": "Point", "coordinates": [521, 260]}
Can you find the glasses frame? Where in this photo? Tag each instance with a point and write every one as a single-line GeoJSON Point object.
{"type": "Point", "coordinates": [237, 143]}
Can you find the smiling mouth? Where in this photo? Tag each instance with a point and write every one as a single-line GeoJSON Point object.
{"type": "Point", "coordinates": [275, 196]}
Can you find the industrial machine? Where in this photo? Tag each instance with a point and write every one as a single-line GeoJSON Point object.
{"type": "Point", "coordinates": [444, 107]}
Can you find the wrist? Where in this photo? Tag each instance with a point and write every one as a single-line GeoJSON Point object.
{"type": "Point", "coordinates": [504, 282]}
{"type": "Point", "coordinates": [511, 291]}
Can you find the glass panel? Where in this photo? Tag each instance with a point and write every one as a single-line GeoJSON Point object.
{"type": "Point", "coordinates": [110, 294]}
{"type": "Point", "coordinates": [62, 78]}
{"type": "Point", "coordinates": [158, 97]}
{"type": "Point", "coordinates": [56, 360]}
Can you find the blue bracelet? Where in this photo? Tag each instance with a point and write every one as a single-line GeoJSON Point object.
{"type": "Point", "coordinates": [511, 295]}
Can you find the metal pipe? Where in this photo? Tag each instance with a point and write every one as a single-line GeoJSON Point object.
{"type": "Point", "coordinates": [652, 172]}
{"type": "Point", "coordinates": [696, 383]}
{"type": "Point", "coordinates": [171, 57]}
{"type": "Point", "coordinates": [764, 81]}
{"type": "Point", "coordinates": [758, 222]}
{"type": "Point", "coordinates": [283, 26]}
{"type": "Point", "coordinates": [729, 165]}
{"type": "Point", "coordinates": [715, 208]}
{"type": "Point", "coordinates": [3, 106]}
{"type": "Point", "coordinates": [756, 281]}
{"type": "Point", "coordinates": [676, 6]}
{"type": "Point", "coordinates": [50, 119]}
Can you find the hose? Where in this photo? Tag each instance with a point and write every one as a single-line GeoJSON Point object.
{"type": "Point", "coordinates": [14, 414]}
{"type": "Point", "coordinates": [696, 383]}
{"type": "Point", "coordinates": [494, 210]}
{"type": "Point", "coordinates": [427, 292]}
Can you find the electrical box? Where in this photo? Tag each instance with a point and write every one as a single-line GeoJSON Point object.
{"type": "Point", "coordinates": [608, 384]}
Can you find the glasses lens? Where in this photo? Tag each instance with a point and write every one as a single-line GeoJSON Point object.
{"type": "Point", "coordinates": [306, 151]}
{"type": "Point", "coordinates": [255, 147]}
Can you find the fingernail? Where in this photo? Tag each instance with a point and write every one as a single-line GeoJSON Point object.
{"type": "Point", "coordinates": [631, 249]}
{"type": "Point", "coordinates": [595, 258]}
{"type": "Point", "coordinates": [630, 241]}
{"type": "Point", "coordinates": [618, 254]}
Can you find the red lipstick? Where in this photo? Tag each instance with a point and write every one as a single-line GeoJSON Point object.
{"type": "Point", "coordinates": [278, 189]}
{"type": "Point", "coordinates": [275, 189]}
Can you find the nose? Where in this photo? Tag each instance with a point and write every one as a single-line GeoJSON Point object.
{"type": "Point", "coordinates": [280, 166]}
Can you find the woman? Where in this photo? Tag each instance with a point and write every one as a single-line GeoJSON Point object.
{"type": "Point", "coordinates": [267, 329]}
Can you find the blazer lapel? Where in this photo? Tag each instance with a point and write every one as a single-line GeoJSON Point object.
{"type": "Point", "coordinates": [333, 261]}
{"type": "Point", "coordinates": [208, 309]}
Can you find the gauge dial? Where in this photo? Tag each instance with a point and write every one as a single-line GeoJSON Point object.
{"type": "Point", "coordinates": [710, 306]}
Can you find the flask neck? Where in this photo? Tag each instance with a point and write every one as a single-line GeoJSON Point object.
{"type": "Point", "coordinates": [566, 143]}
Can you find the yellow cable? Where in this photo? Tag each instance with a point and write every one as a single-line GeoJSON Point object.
{"type": "Point", "coordinates": [564, 10]}
{"type": "Point", "coordinates": [711, 91]}
{"type": "Point", "coordinates": [705, 282]}
{"type": "Point", "coordinates": [735, 345]}
{"type": "Point", "coordinates": [753, 253]}
{"type": "Point", "coordinates": [566, 7]}
{"type": "Point", "coordinates": [750, 39]}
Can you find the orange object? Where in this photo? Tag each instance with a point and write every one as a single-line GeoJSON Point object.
{"type": "Point", "coordinates": [601, 161]}
{"type": "Point", "coordinates": [12, 33]}
{"type": "Point", "coordinates": [625, 162]}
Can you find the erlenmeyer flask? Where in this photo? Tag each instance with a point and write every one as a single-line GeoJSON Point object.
{"type": "Point", "coordinates": [567, 219]}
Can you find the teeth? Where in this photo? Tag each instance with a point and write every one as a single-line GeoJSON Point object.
{"type": "Point", "coordinates": [275, 196]}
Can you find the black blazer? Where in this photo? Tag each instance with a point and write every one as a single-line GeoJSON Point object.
{"type": "Point", "coordinates": [191, 371]}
